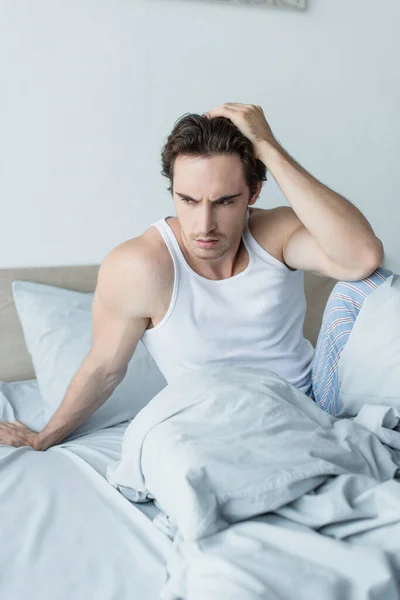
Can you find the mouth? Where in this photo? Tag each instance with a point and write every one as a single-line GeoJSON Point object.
{"type": "Point", "coordinates": [206, 243]}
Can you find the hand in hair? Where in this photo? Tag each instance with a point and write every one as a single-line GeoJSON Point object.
{"type": "Point", "coordinates": [250, 120]}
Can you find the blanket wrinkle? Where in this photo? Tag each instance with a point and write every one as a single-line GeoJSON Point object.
{"type": "Point", "coordinates": [278, 455]}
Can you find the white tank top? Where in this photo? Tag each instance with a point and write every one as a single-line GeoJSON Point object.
{"type": "Point", "coordinates": [253, 318]}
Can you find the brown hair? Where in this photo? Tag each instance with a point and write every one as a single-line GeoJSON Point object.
{"type": "Point", "coordinates": [198, 135]}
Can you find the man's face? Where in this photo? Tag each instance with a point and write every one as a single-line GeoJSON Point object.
{"type": "Point", "coordinates": [200, 189]}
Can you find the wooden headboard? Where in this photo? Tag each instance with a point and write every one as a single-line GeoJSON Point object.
{"type": "Point", "coordinates": [15, 362]}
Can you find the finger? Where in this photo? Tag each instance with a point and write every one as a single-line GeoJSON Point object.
{"type": "Point", "coordinates": [221, 111]}
{"type": "Point", "coordinates": [231, 106]}
{"type": "Point", "coordinates": [225, 106]}
{"type": "Point", "coordinates": [240, 107]}
{"type": "Point", "coordinates": [11, 440]}
{"type": "Point", "coordinates": [235, 105]}
{"type": "Point", "coordinates": [16, 443]}
{"type": "Point", "coordinates": [12, 431]}
{"type": "Point", "coordinates": [6, 427]}
{"type": "Point", "coordinates": [10, 427]}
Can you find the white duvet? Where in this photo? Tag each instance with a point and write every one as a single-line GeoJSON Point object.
{"type": "Point", "coordinates": [258, 487]}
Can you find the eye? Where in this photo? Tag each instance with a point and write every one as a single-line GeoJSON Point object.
{"type": "Point", "coordinates": [220, 202]}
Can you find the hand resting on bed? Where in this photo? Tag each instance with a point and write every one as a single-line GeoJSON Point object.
{"type": "Point", "coordinates": [16, 434]}
{"type": "Point", "coordinates": [118, 322]}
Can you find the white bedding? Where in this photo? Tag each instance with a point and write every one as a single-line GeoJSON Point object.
{"type": "Point", "coordinates": [65, 531]}
{"type": "Point", "coordinates": [20, 400]}
{"type": "Point", "coordinates": [218, 448]}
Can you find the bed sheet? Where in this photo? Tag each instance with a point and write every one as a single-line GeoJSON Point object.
{"type": "Point", "coordinates": [65, 531]}
{"type": "Point", "coordinates": [21, 400]}
{"type": "Point", "coordinates": [101, 449]}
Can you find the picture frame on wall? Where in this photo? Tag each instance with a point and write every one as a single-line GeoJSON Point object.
{"type": "Point", "coordinates": [296, 4]}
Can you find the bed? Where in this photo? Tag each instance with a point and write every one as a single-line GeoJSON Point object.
{"type": "Point", "coordinates": [66, 533]}
{"type": "Point", "coordinates": [70, 530]}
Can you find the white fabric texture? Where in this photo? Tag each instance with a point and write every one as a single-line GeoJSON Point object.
{"type": "Point", "coordinates": [66, 533]}
{"type": "Point", "coordinates": [220, 446]}
{"type": "Point", "coordinates": [21, 401]}
{"type": "Point", "coordinates": [276, 558]}
{"type": "Point", "coordinates": [369, 366]}
{"type": "Point", "coordinates": [239, 443]}
{"type": "Point", "coordinates": [254, 318]}
{"type": "Point", "coordinates": [57, 326]}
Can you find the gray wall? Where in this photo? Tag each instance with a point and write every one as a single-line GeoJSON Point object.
{"type": "Point", "coordinates": [91, 89]}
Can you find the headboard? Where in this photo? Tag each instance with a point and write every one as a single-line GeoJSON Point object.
{"type": "Point", "coordinates": [15, 362]}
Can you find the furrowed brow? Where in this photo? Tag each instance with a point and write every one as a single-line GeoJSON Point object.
{"type": "Point", "coordinates": [186, 197]}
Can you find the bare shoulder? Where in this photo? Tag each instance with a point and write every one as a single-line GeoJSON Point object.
{"type": "Point", "coordinates": [146, 254]}
{"type": "Point", "coordinates": [282, 217]}
{"type": "Point", "coordinates": [137, 271]}
{"type": "Point", "coordinates": [271, 227]}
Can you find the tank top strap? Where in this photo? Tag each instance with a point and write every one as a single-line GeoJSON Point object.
{"type": "Point", "coordinates": [169, 239]}
{"type": "Point", "coordinates": [254, 247]}
{"type": "Point", "coordinates": [176, 253]}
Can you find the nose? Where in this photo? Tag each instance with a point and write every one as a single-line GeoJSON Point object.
{"type": "Point", "coordinates": [206, 222]}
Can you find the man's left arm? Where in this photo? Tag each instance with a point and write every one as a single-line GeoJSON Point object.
{"type": "Point", "coordinates": [325, 232]}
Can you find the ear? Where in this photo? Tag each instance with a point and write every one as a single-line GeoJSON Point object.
{"type": "Point", "coordinates": [254, 197]}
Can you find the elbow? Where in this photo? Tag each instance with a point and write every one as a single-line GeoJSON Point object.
{"type": "Point", "coordinates": [373, 258]}
{"type": "Point", "coordinates": [377, 254]}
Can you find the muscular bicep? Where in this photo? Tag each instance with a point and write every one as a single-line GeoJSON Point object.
{"type": "Point", "coordinates": [114, 336]}
{"type": "Point", "coordinates": [301, 251]}
{"type": "Point", "coordinates": [118, 317]}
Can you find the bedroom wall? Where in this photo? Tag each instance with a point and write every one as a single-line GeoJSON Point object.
{"type": "Point", "coordinates": [91, 88]}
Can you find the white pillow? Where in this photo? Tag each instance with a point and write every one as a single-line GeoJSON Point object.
{"type": "Point", "coordinates": [21, 401]}
{"type": "Point", "coordinates": [57, 325]}
{"type": "Point", "coordinates": [369, 367]}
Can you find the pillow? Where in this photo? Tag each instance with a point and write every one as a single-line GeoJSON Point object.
{"type": "Point", "coordinates": [369, 367]}
{"type": "Point", "coordinates": [21, 401]}
{"type": "Point", "coordinates": [57, 326]}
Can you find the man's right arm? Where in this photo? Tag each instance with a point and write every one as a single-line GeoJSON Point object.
{"type": "Point", "coordinates": [119, 318]}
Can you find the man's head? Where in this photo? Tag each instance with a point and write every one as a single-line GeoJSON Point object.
{"type": "Point", "coordinates": [214, 176]}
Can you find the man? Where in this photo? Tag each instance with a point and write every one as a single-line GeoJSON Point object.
{"type": "Point", "coordinates": [221, 283]}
